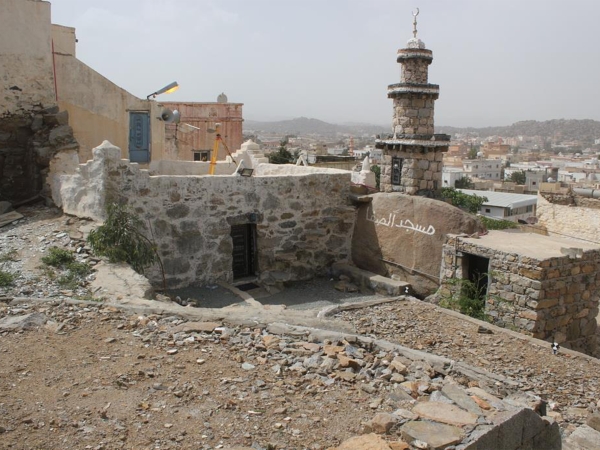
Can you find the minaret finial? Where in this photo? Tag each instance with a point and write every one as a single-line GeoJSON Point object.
{"type": "Point", "coordinates": [415, 23]}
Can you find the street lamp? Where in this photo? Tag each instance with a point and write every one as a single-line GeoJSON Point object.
{"type": "Point", "coordinates": [166, 90]}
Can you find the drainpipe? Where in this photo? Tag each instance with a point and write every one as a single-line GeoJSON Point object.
{"type": "Point", "coordinates": [54, 70]}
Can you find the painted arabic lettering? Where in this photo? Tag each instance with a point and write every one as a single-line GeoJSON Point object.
{"type": "Point", "coordinates": [391, 222]}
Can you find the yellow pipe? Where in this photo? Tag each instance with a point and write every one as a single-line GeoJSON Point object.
{"type": "Point", "coordinates": [213, 157]}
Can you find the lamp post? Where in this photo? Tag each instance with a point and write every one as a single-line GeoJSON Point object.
{"type": "Point", "coordinates": [166, 90]}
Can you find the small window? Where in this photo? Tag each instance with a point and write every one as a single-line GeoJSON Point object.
{"type": "Point", "coordinates": [203, 155]}
{"type": "Point", "coordinates": [487, 210]}
{"type": "Point", "coordinates": [534, 183]}
{"type": "Point", "coordinates": [396, 170]}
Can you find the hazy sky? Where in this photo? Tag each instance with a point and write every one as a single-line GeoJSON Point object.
{"type": "Point", "coordinates": [496, 61]}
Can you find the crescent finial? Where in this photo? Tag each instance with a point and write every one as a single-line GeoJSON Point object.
{"type": "Point", "coordinates": [415, 14]}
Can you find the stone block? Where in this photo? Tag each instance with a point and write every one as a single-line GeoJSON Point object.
{"type": "Point", "coordinates": [437, 436]}
{"type": "Point", "coordinates": [445, 413]}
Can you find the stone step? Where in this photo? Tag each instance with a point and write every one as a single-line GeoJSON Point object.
{"type": "Point", "coordinates": [365, 279]}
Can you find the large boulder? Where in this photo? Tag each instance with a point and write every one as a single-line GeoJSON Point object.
{"type": "Point", "coordinates": [402, 235]}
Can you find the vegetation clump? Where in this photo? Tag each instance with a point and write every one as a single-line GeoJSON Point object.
{"type": "Point", "coordinates": [75, 271]}
{"type": "Point", "coordinates": [121, 239]}
{"type": "Point", "coordinates": [497, 224]}
{"type": "Point", "coordinates": [466, 297]}
{"type": "Point", "coordinates": [6, 278]}
{"type": "Point", "coordinates": [470, 203]}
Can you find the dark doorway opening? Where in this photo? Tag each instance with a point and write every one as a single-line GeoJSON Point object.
{"type": "Point", "coordinates": [477, 272]}
{"type": "Point", "coordinates": [244, 250]}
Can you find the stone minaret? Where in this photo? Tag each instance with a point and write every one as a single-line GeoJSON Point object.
{"type": "Point", "coordinates": [412, 161]}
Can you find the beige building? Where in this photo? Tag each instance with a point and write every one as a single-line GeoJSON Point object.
{"type": "Point", "coordinates": [193, 138]}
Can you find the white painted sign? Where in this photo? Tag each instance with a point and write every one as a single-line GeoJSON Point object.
{"type": "Point", "coordinates": [391, 221]}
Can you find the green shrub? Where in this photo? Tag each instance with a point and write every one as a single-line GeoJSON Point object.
{"type": "Point", "coordinates": [496, 224]}
{"type": "Point", "coordinates": [466, 297]}
{"type": "Point", "coordinates": [58, 257]}
{"type": "Point", "coordinates": [121, 240]}
{"type": "Point", "coordinates": [6, 278]}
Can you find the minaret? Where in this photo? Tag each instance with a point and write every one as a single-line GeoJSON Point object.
{"type": "Point", "coordinates": [412, 161]}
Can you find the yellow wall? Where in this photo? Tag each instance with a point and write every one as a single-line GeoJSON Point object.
{"type": "Point", "coordinates": [99, 109]}
{"type": "Point", "coordinates": [25, 55]}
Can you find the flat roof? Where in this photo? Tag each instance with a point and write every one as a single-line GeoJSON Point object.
{"type": "Point", "coordinates": [503, 199]}
{"type": "Point", "coordinates": [533, 245]}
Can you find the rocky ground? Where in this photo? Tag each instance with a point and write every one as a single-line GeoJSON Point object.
{"type": "Point", "coordinates": [95, 376]}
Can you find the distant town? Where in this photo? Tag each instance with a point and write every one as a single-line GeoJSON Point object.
{"type": "Point", "coordinates": [552, 156]}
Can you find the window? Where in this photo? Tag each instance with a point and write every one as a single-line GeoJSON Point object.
{"type": "Point", "coordinates": [487, 210]}
{"type": "Point", "coordinates": [203, 155]}
{"type": "Point", "coordinates": [529, 208]}
{"type": "Point", "coordinates": [396, 170]}
{"type": "Point", "coordinates": [533, 183]}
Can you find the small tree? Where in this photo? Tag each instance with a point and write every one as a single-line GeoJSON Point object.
{"type": "Point", "coordinates": [470, 203]}
{"type": "Point", "coordinates": [121, 240]}
{"type": "Point", "coordinates": [518, 177]}
{"type": "Point", "coordinates": [473, 152]}
{"type": "Point", "coordinates": [282, 155]}
{"type": "Point", "coordinates": [464, 183]}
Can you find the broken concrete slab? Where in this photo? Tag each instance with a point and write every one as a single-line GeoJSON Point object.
{"type": "Point", "coordinates": [517, 430]}
{"type": "Point", "coordinates": [583, 438]}
{"type": "Point", "coordinates": [9, 217]}
{"type": "Point", "coordinates": [23, 322]}
{"type": "Point", "coordinates": [436, 435]}
{"type": "Point", "coordinates": [458, 396]}
{"type": "Point", "coordinates": [120, 281]}
{"type": "Point", "coordinates": [445, 413]}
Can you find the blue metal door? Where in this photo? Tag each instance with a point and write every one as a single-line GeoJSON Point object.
{"type": "Point", "coordinates": [139, 137]}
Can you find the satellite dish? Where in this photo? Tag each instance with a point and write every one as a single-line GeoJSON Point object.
{"type": "Point", "coordinates": [170, 116]}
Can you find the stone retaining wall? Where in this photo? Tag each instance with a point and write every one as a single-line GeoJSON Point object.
{"type": "Point", "coordinates": [577, 217]}
{"type": "Point", "coordinates": [550, 298]}
{"type": "Point", "coordinates": [303, 221]}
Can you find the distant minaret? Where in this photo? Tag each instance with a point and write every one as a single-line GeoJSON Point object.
{"type": "Point", "coordinates": [412, 161]}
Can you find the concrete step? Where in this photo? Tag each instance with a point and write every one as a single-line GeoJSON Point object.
{"type": "Point", "coordinates": [365, 279]}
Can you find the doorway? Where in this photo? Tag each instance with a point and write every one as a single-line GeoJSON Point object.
{"type": "Point", "coordinates": [139, 137]}
{"type": "Point", "coordinates": [244, 250]}
{"type": "Point", "coordinates": [477, 273]}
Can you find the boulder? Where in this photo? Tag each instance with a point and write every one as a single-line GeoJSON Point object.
{"type": "Point", "coordinates": [398, 234]}
{"type": "Point", "coordinates": [23, 322]}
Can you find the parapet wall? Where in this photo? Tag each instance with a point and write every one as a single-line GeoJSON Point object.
{"type": "Point", "coordinates": [303, 222]}
{"type": "Point", "coordinates": [550, 298]}
{"type": "Point", "coordinates": [574, 216]}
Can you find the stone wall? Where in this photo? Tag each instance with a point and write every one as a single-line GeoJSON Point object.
{"type": "Point", "coordinates": [545, 298]}
{"type": "Point", "coordinates": [415, 70]}
{"type": "Point", "coordinates": [421, 170]}
{"type": "Point", "coordinates": [28, 141]}
{"type": "Point", "coordinates": [574, 216]}
{"type": "Point", "coordinates": [413, 115]}
{"type": "Point", "coordinates": [302, 217]}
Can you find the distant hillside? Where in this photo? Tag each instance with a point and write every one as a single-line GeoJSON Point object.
{"type": "Point", "coordinates": [585, 130]}
{"type": "Point", "coordinates": [304, 126]}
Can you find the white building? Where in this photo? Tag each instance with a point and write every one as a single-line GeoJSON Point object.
{"type": "Point", "coordinates": [502, 205]}
{"type": "Point", "coordinates": [451, 175]}
{"type": "Point", "coordinates": [484, 169]}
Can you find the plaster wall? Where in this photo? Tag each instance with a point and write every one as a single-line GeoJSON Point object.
{"type": "Point", "coordinates": [63, 39]}
{"type": "Point", "coordinates": [99, 109]}
{"type": "Point", "coordinates": [302, 217]}
{"type": "Point", "coordinates": [26, 77]}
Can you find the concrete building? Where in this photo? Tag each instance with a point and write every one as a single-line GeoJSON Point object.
{"type": "Point", "coordinates": [484, 169]}
{"type": "Point", "coordinates": [412, 162]}
{"type": "Point", "coordinates": [505, 206]}
{"type": "Point", "coordinates": [192, 139]}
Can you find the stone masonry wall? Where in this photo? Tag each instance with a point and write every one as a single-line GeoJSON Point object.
{"type": "Point", "coordinates": [415, 71]}
{"type": "Point", "coordinates": [303, 222]}
{"type": "Point", "coordinates": [574, 216]}
{"type": "Point", "coordinates": [413, 115]}
{"type": "Point", "coordinates": [555, 297]}
{"type": "Point", "coordinates": [420, 171]}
